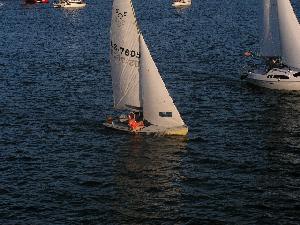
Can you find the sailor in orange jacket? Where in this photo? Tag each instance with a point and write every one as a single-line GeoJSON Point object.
{"type": "Point", "coordinates": [133, 124]}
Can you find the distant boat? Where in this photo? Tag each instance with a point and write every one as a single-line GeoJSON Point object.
{"type": "Point", "coordinates": [70, 4]}
{"type": "Point", "coordinates": [181, 3]}
{"type": "Point", "coordinates": [137, 84]}
{"type": "Point", "coordinates": [280, 46]}
{"type": "Point", "coordinates": [36, 1]}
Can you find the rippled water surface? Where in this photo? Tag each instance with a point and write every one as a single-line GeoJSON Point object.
{"type": "Point", "coordinates": [58, 165]}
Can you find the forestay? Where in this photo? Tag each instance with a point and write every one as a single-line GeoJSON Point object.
{"type": "Point", "coordinates": [124, 56]}
{"type": "Point", "coordinates": [289, 34]}
{"type": "Point", "coordinates": [158, 106]}
{"type": "Point", "coordinates": [270, 39]}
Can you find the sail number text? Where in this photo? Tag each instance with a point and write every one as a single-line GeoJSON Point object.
{"type": "Point", "coordinates": [124, 51]}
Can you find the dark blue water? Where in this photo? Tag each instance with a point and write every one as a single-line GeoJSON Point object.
{"type": "Point", "coordinates": [58, 165]}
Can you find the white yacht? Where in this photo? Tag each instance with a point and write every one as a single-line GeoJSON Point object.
{"type": "Point", "coordinates": [70, 4]}
{"type": "Point", "coordinates": [280, 46]}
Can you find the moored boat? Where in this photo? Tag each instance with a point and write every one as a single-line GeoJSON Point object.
{"type": "Point", "coordinates": [70, 4]}
{"type": "Point", "coordinates": [36, 1]}
{"type": "Point", "coordinates": [181, 3]}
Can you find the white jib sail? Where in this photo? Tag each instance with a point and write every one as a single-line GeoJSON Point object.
{"type": "Point", "coordinates": [270, 39]}
{"type": "Point", "coordinates": [124, 56]}
{"type": "Point", "coordinates": [289, 34]}
{"type": "Point", "coordinates": [158, 106]}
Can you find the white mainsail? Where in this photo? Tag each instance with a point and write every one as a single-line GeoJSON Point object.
{"type": "Point", "coordinates": [124, 58]}
{"type": "Point", "coordinates": [270, 39]}
{"type": "Point", "coordinates": [289, 34]}
{"type": "Point", "coordinates": [158, 106]}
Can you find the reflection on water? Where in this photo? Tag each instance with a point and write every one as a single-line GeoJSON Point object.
{"type": "Point", "coordinates": [280, 132]}
{"type": "Point", "coordinates": [148, 178]}
{"type": "Point", "coordinates": [72, 14]}
{"type": "Point", "coordinates": [282, 118]}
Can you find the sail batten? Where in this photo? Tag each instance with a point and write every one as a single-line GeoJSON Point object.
{"type": "Point", "coordinates": [270, 39]}
{"type": "Point", "coordinates": [158, 106]}
{"type": "Point", "coordinates": [289, 34]}
{"type": "Point", "coordinates": [124, 55]}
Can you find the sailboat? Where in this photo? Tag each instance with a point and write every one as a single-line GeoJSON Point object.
{"type": "Point", "coordinates": [137, 84]}
{"type": "Point", "coordinates": [181, 3]}
{"type": "Point", "coordinates": [280, 46]}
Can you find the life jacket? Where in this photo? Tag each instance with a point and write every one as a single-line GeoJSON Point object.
{"type": "Point", "coordinates": [133, 123]}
